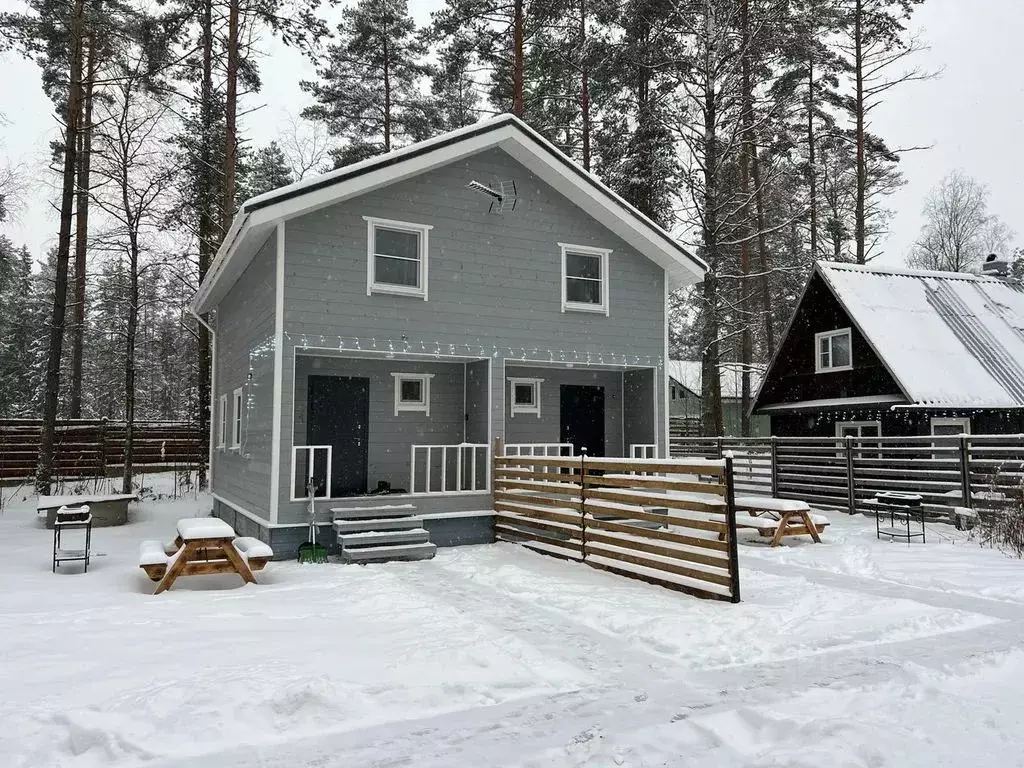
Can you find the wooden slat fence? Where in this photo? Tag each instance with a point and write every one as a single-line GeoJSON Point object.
{"type": "Point", "coordinates": [88, 449]}
{"type": "Point", "coordinates": [985, 472]}
{"type": "Point", "coordinates": [671, 523]}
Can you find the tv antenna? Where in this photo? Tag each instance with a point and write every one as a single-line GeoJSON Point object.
{"type": "Point", "coordinates": [502, 193]}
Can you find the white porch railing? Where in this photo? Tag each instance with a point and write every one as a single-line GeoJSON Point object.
{"type": "Point", "coordinates": [303, 473]}
{"type": "Point", "coordinates": [643, 451]}
{"type": "Point", "coordinates": [539, 449]}
{"type": "Point", "coordinates": [462, 468]}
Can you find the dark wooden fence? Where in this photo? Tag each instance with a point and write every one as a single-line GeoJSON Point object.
{"type": "Point", "coordinates": [88, 449]}
{"type": "Point", "coordinates": [985, 472]}
{"type": "Point", "coordinates": [642, 518]}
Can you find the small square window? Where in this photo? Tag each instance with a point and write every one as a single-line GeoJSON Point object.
{"type": "Point", "coordinates": [584, 278]}
{"type": "Point", "coordinates": [396, 257]}
{"type": "Point", "coordinates": [412, 392]}
{"type": "Point", "coordinates": [525, 396]}
{"type": "Point", "coordinates": [833, 351]}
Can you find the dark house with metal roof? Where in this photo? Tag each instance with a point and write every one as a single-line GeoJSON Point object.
{"type": "Point", "coordinates": [876, 351]}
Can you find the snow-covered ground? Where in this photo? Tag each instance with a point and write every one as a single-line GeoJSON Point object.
{"type": "Point", "coordinates": [850, 653]}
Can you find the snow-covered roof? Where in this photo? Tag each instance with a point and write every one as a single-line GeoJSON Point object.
{"type": "Point", "coordinates": [949, 339]}
{"type": "Point", "coordinates": [688, 373]}
{"type": "Point", "coordinates": [258, 217]}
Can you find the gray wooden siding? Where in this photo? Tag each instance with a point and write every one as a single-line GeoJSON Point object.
{"type": "Point", "coordinates": [639, 416]}
{"type": "Point", "coordinates": [476, 401]}
{"type": "Point", "coordinates": [245, 358]}
{"type": "Point", "coordinates": [390, 435]}
{"type": "Point", "coordinates": [527, 428]}
{"type": "Point", "coordinates": [494, 281]}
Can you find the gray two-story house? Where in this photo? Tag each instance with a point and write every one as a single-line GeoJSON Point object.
{"type": "Point", "coordinates": [377, 328]}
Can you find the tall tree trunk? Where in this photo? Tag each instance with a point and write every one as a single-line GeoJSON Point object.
{"type": "Point", "coordinates": [584, 88]}
{"type": "Point", "coordinates": [862, 171]}
{"type": "Point", "coordinates": [44, 471]}
{"type": "Point", "coordinates": [711, 383]}
{"type": "Point", "coordinates": [812, 170]}
{"type": "Point", "coordinates": [230, 118]}
{"type": "Point", "coordinates": [129, 359]}
{"type": "Point", "coordinates": [746, 144]}
{"type": "Point", "coordinates": [81, 238]}
{"type": "Point", "coordinates": [206, 224]}
{"type": "Point", "coordinates": [518, 41]}
{"type": "Point", "coordinates": [387, 96]}
{"type": "Point", "coordinates": [764, 259]}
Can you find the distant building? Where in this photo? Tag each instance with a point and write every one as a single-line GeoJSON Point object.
{"type": "Point", "coordinates": [684, 378]}
{"type": "Point", "coordinates": [877, 351]}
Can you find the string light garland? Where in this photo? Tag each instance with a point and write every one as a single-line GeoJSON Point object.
{"type": "Point", "coordinates": [442, 349]}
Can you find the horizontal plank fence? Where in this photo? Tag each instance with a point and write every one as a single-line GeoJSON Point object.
{"type": "Point", "coordinates": [88, 449]}
{"type": "Point", "coordinates": [643, 518]}
{"type": "Point", "coordinates": [983, 472]}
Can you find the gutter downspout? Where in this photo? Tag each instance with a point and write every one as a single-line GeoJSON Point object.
{"type": "Point", "coordinates": [213, 393]}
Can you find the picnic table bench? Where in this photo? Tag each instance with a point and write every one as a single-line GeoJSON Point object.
{"type": "Point", "coordinates": [779, 518]}
{"type": "Point", "coordinates": [204, 545]}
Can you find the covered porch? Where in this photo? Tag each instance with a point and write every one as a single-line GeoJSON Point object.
{"type": "Point", "coordinates": [365, 427]}
{"type": "Point", "coordinates": [564, 409]}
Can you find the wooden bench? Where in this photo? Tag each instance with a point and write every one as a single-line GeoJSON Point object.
{"type": "Point", "coordinates": [203, 546]}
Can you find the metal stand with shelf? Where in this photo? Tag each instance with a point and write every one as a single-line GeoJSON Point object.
{"type": "Point", "coordinates": [902, 509]}
{"type": "Point", "coordinates": [72, 519]}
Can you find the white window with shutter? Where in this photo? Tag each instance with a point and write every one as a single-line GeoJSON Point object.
{"type": "Point", "coordinates": [396, 257]}
{"type": "Point", "coordinates": [833, 351]}
{"type": "Point", "coordinates": [236, 422]}
{"type": "Point", "coordinates": [584, 278]}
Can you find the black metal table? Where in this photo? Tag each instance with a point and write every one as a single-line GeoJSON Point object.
{"type": "Point", "coordinates": [902, 509]}
{"type": "Point", "coordinates": [71, 519]}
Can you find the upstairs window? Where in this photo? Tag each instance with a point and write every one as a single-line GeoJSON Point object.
{"type": "Point", "coordinates": [412, 392]}
{"type": "Point", "coordinates": [833, 351]}
{"type": "Point", "coordinates": [525, 396]}
{"type": "Point", "coordinates": [396, 257]}
{"type": "Point", "coordinates": [584, 278]}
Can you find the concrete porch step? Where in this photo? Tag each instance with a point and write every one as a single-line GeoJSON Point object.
{"type": "Point", "coordinates": [372, 511]}
{"type": "Point", "coordinates": [351, 541]}
{"type": "Point", "coordinates": [423, 551]}
{"type": "Point", "coordinates": [378, 524]}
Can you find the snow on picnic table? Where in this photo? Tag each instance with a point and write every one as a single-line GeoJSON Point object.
{"type": "Point", "coordinates": [851, 653]}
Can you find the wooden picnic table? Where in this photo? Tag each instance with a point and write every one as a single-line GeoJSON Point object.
{"type": "Point", "coordinates": [204, 545]}
{"type": "Point", "coordinates": [784, 517]}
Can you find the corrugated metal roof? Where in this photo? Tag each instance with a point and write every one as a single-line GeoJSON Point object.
{"type": "Point", "coordinates": [950, 339]}
{"type": "Point", "coordinates": [688, 373]}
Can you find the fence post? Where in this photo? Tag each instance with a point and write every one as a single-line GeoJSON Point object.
{"type": "Point", "coordinates": [583, 505]}
{"type": "Point", "coordinates": [775, 466]}
{"type": "Point", "coordinates": [965, 469]}
{"type": "Point", "coordinates": [851, 499]}
{"type": "Point", "coordinates": [498, 452]}
{"type": "Point", "coordinates": [103, 447]}
{"type": "Point", "coordinates": [730, 521]}
{"type": "Point", "coordinates": [721, 453]}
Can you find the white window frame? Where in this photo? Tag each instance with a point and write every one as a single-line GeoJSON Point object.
{"type": "Point", "coordinates": [222, 423]}
{"type": "Point", "coordinates": [236, 421]}
{"type": "Point", "coordinates": [420, 406]}
{"type": "Point", "coordinates": [946, 421]}
{"type": "Point", "coordinates": [534, 407]}
{"type": "Point", "coordinates": [423, 230]}
{"type": "Point", "coordinates": [579, 306]}
{"type": "Point", "coordinates": [858, 424]}
{"type": "Point", "coordinates": [818, 338]}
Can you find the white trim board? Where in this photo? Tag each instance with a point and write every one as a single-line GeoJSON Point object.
{"type": "Point", "coordinates": [243, 511]}
{"type": "Point", "coordinates": [275, 430]}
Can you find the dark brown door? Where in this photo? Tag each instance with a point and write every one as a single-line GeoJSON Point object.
{"type": "Point", "coordinates": [582, 417]}
{"type": "Point", "coordinates": [338, 415]}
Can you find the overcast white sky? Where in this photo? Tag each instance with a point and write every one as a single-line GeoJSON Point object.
{"type": "Point", "coordinates": [973, 116]}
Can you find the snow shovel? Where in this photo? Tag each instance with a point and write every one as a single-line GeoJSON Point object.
{"type": "Point", "coordinates": [310, 551]}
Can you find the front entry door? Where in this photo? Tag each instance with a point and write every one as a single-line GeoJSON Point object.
{"type": "Point", "coordinates": [338, 415]}
{"type": "Point", "coordinates": [582, 417]}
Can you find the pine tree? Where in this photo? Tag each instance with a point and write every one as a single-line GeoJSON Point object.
{"type": "Point", "coordinates": [367, 91]}
{"type": "Point", "coordinates": [266, 169]}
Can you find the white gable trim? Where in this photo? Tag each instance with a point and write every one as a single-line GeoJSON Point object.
{"type": "Point", "coordinates": [259, 216]}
